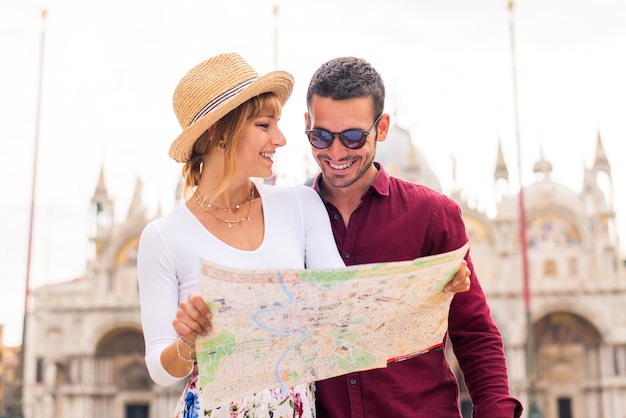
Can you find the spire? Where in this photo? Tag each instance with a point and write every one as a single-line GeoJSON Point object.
{"type": "Point", "coordinates": [101, 188]}
{"type": "Point", "coordinates": [601, 163]}
{"type": "Point", "coordinates": [599, 176]}
{"type": "Point", "coordinates": [136, 209]}
{"type": "Point", "coordinates": [102, 213]}
{"type": "Point", "coordinates": [501, 171]}
{"type": "Point", "coordinates": [543, 166]}
{"type": "Point", "coordinates": [100, 199]}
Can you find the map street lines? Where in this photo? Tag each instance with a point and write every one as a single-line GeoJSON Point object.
{"type": "Point", "coordinates": [279, 328]}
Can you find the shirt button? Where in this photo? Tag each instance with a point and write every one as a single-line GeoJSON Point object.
{"type": "Point", "coordinates": [353, 381]}
{"type": "Point", "coordinates": [347, 255]}
{"type": "Point", "coordinates": [336, 217]}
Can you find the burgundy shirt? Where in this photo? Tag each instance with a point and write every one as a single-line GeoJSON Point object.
{"type": "Point", "coordinates": [398, 221]}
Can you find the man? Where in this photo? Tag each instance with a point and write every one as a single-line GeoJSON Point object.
{"type": "Point", "coordinates": [378, 218]}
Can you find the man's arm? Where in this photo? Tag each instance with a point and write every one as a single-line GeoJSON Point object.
{"type": "Point", "coordinates": [475, 337]}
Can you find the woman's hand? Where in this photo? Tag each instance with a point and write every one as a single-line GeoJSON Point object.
{"type": "Point", "coordinates": [193, 318]}
{"type": "Point", "coordinates": [461, 281]}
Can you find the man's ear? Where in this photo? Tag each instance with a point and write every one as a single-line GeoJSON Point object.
{"type": "Point", "coordinates": [383, 127]}
{"type": "Point", "coordinates": [307, 121]}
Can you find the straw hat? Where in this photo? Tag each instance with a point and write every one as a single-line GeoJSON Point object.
{"type": "Point", "coordinates": [212, 89]}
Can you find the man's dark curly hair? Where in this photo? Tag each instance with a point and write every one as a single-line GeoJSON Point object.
{"type": "Point", "coordinates": [348, 78]}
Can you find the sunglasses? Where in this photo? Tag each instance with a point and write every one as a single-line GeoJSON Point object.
{"type": "Point", "coordinates": [352, 138]}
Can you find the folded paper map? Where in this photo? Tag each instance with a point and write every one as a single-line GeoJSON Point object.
{"type": "Point", "coordinates": [277, 328]}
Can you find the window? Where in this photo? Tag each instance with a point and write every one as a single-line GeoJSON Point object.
{"type": "Point", "coordinates": [565, 407]}
{"type": "Point", "coordinates": [549, 268]}
{"type": "Point", "coordinates": [136, 411]}
{"type": "Point", "coordinates": [39, 370]}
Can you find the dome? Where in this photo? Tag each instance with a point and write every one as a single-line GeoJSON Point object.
{"type": "Point", "coordinates": [544, 194]}
{"type": "Point", "coordinates": [548, 193]}
{"type": "Point", "coordinates": [402, 159]}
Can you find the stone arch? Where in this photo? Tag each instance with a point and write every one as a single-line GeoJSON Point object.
{"type": "Point", "coordinates": [122, 350]}
{"type": "Point", "coordinates": [564, 327]}
{"type": "Point", "coordinates": [552, 229]}
{"type": "Point", "coordinates": [566, 305]}
{"type": "Point", "coordinates": [123, 241]}
{"type": "Point", "coordinates": [127, 252]}
{"type": "Point", "coordinates": [483, 244]}
{"type": "Point", "coordinates": [566, 358]}
{"type": "Point", "coordinates": [106, 325]}
{"type": "Point", "coordinates": [479, 231]}
{"type": "Point", "coordinates": [123, 340]}
{"type": "Point", "coordinates": [569, 219]}
{"type": "Point", "coordinates": [566, 349]}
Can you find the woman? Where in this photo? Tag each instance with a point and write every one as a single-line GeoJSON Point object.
{"type": "Point", "coordinates": [229, 116]}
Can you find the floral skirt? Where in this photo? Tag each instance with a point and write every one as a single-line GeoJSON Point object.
{"type": "Point", "coordinates": [298, 402]}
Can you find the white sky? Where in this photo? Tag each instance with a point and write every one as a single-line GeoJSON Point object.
{"type": "Point", "coordinates": [111, 67]}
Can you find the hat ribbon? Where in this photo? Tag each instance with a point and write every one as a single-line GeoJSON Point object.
{"type": "Point", "coordinates": [220, 99]}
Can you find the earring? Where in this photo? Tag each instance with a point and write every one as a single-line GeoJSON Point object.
{"type": "Point", "coordinates": [221, 145]}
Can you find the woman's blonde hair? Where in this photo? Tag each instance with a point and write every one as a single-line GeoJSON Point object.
{"type": "Point", "coordinates": [227, 131]}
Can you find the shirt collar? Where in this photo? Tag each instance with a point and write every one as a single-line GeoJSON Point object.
{"type": "Point", "coordinates": [382, 181]}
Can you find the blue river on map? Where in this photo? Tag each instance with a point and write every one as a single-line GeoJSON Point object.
{"type": "Point", "coordinates": [261, 325]}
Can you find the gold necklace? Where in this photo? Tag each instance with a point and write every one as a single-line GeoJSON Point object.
{"type": "Point", "coordinates": [220, 221]}
{"type": "Point", "coordinates": [234, 209]}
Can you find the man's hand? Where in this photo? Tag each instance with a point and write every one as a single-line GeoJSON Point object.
{"type": "Point", "coordinates": [461, 281]}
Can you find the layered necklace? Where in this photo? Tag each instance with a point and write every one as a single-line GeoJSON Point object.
{"type": "Point", "coordinates": [210, 209]}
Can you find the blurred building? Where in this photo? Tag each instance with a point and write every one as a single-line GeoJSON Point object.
{"type": "Point", "coordinates": [577, 282]}
{"type": "Point", "coordinates": [2, 368]}
{"type": "Point", "coordinates": [10, 387]}
{"type": "Point", "coordinates": [84, 354]}
{"type": "Point", "coordinates": [84, 348]}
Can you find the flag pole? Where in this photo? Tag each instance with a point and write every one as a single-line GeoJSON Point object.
{"type": "Point", "coordinates": [32, 197]}
{"type": "Point", "coordinates": [533, 409]}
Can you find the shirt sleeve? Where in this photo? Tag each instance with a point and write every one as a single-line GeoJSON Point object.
{"type": "Point", "coordinates": [476, 339]}
{"type": "Point", "coordinates": [158, 290]}
{"type": "Point", "coordinates": [320, 248]}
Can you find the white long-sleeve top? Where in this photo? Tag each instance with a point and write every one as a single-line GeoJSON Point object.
{"type": "Point", "coordinates": [297, 235]}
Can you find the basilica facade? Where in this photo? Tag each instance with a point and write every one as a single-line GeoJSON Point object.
{"type": "Point", "coordinates": [559, 301]}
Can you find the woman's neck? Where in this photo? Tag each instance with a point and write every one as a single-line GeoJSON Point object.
{"type": "Point", "coordinates": [230, 200]}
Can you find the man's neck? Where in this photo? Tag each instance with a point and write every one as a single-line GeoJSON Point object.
{"type": "Point", "coordinates": [347, 199]}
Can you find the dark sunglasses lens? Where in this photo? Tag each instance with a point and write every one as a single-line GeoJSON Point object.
{"type": "Point", "coordinates": [353, 139]}
{"type": "Point", "coordinates": [320, 139]}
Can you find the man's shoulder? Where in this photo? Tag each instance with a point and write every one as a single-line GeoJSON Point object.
{"type": "Point", "coordinates": [410, 187]}
{"type": "Point", "coordinates": [419, 197]}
